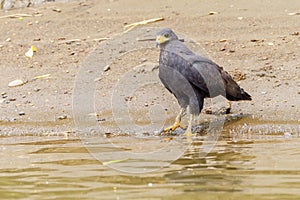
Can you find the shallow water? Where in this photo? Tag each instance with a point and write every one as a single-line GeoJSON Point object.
{"type": "Point", "coordinates": [252, 164]}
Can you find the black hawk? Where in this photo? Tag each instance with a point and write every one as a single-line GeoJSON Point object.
{"type": "Point", "coordinates": [191, 78]}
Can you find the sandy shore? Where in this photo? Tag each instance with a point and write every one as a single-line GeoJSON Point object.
{"type": "Point", "coordinates": [257, 42]}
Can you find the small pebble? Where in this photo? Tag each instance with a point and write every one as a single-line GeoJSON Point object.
{"type": "Point", "coordinates": [223, 48]}
{"type": "Point", "coordinates": [106, 68]}
{"type": "Point", "coordinates": [223, 40]}
{"type": "Point", "coordinates": [12, 119]}
{"type": "Point", "coordinates": [98, 79]}
{"type": "Point", "coordinates": [62, 117]}
{"type": "Point", "coordinates": [293, 13]}
{"type": "Point", "coordinates": [101, 119]}
{"type": "Point", "coordinates": [21, 113]}
{"type": "Point", "coordinates": [144, 60]}
{"type": "Point", "coordinates": [212, 13]}
{"type": "Point", "coordinates": [15, 83]}
{"type": "Point", "coordinates": [56, 10]}
{"type": "Point", "coordinates": [287, 135]}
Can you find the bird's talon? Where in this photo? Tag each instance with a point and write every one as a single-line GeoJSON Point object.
{"type": "Point", "coordinates": [174, 127]}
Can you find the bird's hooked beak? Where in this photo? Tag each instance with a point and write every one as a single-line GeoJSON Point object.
{"type": "Point", "coordinates": [160, 39]}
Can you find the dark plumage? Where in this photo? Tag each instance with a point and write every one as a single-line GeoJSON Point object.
{"type": "Point", "coordinates": [191, 77]}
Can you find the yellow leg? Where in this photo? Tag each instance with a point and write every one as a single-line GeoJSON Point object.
{"type": "Point", "coordinates": [177, 122]}
{"type": "Point", "coordinates": [188, 131]}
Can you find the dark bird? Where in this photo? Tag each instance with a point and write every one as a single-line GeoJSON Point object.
{"type": "Point", "coordinates": [191, 78]}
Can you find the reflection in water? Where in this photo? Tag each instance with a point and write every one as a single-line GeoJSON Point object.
{"type": "Point", "coordinates": [55, 167]}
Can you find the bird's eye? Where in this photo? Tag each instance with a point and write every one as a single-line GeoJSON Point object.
{"type": "Point", "coordinates": [166, 35]}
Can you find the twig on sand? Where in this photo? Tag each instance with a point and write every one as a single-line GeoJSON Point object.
{"type": "Point", "coordinates": [100, 39]}
{"type": "Point", "coordinates": [16, 16]}
{"type": "Point", "coordinates": [69, 41]}
{"type": "Point", "coordinates": [144, 22]}
{"type": "Point", "coordinates": [79, 40]}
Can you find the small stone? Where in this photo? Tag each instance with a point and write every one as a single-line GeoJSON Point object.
{"type": "Point", "coordinates": [212, 13]}
{"type": "Point", "coordinates": [287, 135]}
{"type": "Point", "coordinates": [15, 83]}
{"type": "Point", "coordinates": [143, 60]}
{"type": "Point", "coordinates": [98, 79]}
{"type": "Point", "coordinates": [223, 40]}
{"type": "Point", "coordinates": [12, 119]}
{"type": "Point", "coordinates": [294, 13]}
{"type": "Point", "coordinates": [36, 89]}
{"type": "Point", "coordinates": [8, 40]}
{"type": "Point", "coordinates": [106, 68]}
{"type": "Point", "coordinates": [208, 111]}
{"type": "Point", "coordinates": [101, 119]}
{"type": "Point", "coordinates": [223, 48]}
{"type": "Point", "coordinates": [3, 93]}
{"type": "Point", "coordinates": [146, 105]}
{"type": "Point", "coordinates": [56, 10]}
{"type": "Point", "coordinates": [21, 113]}
{"type": "Point", "coordinates": [62, 117]}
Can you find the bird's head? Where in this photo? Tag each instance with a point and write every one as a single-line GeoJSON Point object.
{"type": "Point", "coordinates": [165, 35]}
